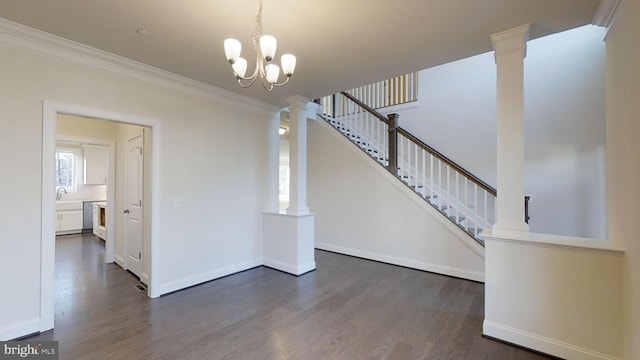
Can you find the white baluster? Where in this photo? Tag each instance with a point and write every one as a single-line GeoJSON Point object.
{"type": "Point", "coordinates": [440, 188]}
{"type": "Point", "coordinates": [457, 197]}
{"type": "Point", "coordinates": [486, 214]}
{"type": "Point", "coordinates": [424, 173]}
{"type": "Point", "coordinates": [431, 178]}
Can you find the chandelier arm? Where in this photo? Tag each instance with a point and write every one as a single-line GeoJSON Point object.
{"type": "Point", "coordinates": [246, 85]}
{"type": "Point", "coordinates": [264, 85]}
{"type": "Point", "coordinates": [255, 71]}
{"type": "Point", "coordinates": [282, 83]}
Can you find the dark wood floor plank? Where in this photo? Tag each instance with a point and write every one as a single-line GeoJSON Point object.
{"type": "Point", "coordinates": [348, 308]}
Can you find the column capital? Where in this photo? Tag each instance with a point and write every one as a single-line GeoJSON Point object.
{"type": "Point", "coordinates": [512, 40]}
{"type": "Point", "coordinates": [297, 101]}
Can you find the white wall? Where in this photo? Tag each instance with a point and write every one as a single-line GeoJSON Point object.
{"type": "Point", "coordinates": [363, 210]}
{"type": "Point", "coordinates": [564, 126]}
{"type": "Point", "coordinates": [561, 300]}
{"type": "Point", "coordinates": [214, 156]}
{"type": "Point", "coordinates": [623, 131]}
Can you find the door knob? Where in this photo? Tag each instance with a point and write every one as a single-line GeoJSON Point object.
{"type": "Point", "coordinates": [126, 211]}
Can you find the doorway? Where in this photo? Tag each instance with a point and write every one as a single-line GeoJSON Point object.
{"type": "Point", "coordinates": [50, 122]}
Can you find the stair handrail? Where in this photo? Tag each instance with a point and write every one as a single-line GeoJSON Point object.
{"type": "Point", "coordinates": [426, 147]}
{"type": "Point", "coordinates": [368, 108]}
{"type": "Point", "coordinates": [491, 190]}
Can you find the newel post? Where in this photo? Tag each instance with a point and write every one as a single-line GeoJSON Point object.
{"type": "Point", "coordinates": [393, 143]}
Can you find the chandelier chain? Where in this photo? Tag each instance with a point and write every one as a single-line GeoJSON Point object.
{"type": "Point", "coordinates": [258, 31]}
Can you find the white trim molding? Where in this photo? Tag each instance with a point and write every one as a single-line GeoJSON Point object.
{"type": "Point", "coordinates": [292, 269]}
{"type": "Point", "coordinates": [606, 12]}
{"type": "Point", "coordinates": [553, 240]}
{"type": "Point", "coordinates": [50, 111]}
{"type": "Point", "coordinates": [541, 343]}
{"type": "Point", "coordinates": [18, 330]}
{"type": "Point", "coordinates": [40, 42]}
{"type": "Point", "coordinates": [186, 282]}
{"type": "Point", "coordinates": [413, 264]}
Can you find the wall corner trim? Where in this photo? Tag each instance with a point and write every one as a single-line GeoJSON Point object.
{"type": "Point", "coordinates": [541, 343]}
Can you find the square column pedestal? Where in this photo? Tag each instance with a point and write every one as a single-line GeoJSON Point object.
{"type": "Point", "coordinates": [289, 242]}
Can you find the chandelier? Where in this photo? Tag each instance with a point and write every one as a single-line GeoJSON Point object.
{"type": "Point", "coordinates": [265, 46]}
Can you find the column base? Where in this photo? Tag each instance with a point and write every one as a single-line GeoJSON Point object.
{"type": "Point", "coordinates": [508, 229]}
{"type": "Point", "coordinates": [289, 242]}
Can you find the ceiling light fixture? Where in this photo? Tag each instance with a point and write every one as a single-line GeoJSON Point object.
{"type": "Point", "coordinates": [282, 130]}
{"type": "Point", "coordinates": [265, 46]}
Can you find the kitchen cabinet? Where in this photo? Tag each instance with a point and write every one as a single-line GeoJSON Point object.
{"type": "Point", "coordinates": [96, 164]}
{"type": "Point", "coordinates": [68, 221]}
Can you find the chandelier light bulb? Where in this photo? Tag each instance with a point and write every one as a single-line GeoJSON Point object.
{"type": "Point", "coordinates": [268, 46]}
{"type": "Point", "coordinates": [232, 49]}
{"type": "Point", "coordinates": [273, 71]}
{"type": "Point", "coordinates": [240, 67]}
{"type": "Point", "coordinates": [288, 63]}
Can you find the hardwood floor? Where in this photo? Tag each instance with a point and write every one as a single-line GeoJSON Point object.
{"type": "Point", "coordinates": [349, 308]}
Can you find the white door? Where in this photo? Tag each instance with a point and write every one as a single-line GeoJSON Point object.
{"type": "Point", "coordinates": [134, 205]}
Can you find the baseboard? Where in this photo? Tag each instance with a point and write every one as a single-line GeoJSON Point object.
{"type": "Point", "coordinates": [541, 343]}
{"type": "Point", "coordinates": [288, 268]}
{"type": "Point", "coordinates": [439, 269]}
{"type": "Point", "coordinates": [119, 261]}
{"type": "Point", "coordinates": [17, 330]}
{"type": "Point", "coordinates": [207, 276]}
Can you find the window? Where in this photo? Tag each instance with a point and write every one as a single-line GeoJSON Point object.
{"type": "Point", "coordinates": [66, 169]}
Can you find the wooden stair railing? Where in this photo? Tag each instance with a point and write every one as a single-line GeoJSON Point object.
{"type": "Point", "coordinates": [462, 197]}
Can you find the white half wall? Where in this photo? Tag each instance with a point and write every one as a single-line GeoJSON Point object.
{"type": "Point", "coordinates": [362, 210]}
{"type": "Point", "coordinates": [560, 300]}
{"type": "Point", "coordinates": [564, 126]}
{"type": "Point", "coordinates": [213, 168]}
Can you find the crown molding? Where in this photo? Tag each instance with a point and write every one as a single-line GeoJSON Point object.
{"type": "Point", "coordinates": [605, 14]}
{"type": "Point", "coordinates": [43, 43]}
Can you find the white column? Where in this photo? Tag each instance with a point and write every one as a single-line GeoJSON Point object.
{"type": "Point", "coordinates": [298, 155]}
{"type": "Point", "coordinates": [273, 167]}
{"type": "Point", "coordinates": [288, 239]}
{"type": "Point", "coordinates": [510, 50]}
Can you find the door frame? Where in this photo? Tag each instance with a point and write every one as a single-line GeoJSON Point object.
{"type": "Point", "coordinates": [50, 111]}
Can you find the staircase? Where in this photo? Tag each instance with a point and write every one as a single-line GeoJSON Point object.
{"type": "Point", "coordinates": [457, 194]}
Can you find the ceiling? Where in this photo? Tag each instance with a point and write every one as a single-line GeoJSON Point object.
{"type": "Point", "coordinates": [339, 44]}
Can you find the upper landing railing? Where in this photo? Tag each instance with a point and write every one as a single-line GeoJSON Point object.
{"type": "Point", "coordinates": [398, 90]}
